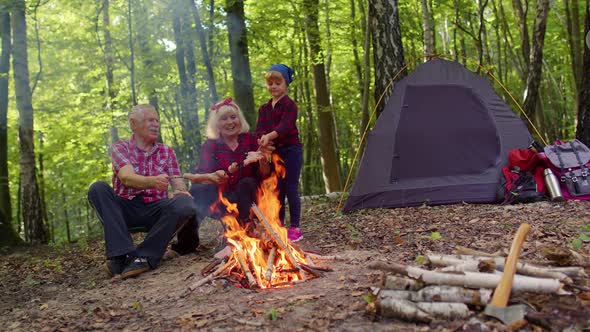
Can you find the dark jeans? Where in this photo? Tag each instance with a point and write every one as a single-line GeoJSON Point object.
{"type": "Point", "coordinates": [204, 196]}
{"type": "Point", "coordinates": [292, 156]}
{"type": "Point", "coordinates": [163, 218]}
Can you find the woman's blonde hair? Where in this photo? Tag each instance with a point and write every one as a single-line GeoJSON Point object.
{"type": "Point", "coordinates": [220, 109]}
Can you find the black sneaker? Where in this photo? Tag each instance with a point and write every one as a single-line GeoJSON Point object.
{"type": "Point", "coordinates": [135, 267]}
{"type": "Point", "coordinates": [115, 265]}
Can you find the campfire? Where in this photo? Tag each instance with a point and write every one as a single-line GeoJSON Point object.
{"type": "Point", "coordinates": [261, 254]}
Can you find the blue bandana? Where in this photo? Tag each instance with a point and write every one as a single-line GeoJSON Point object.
{"type": "Point", "coordinates": [284, 70]}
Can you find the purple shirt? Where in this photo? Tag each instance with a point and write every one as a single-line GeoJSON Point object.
{"type": "Point", "coordinates": [216, 155]}
{"type": "Point", "coordinates": [282, 119]}
{"type": "Point", "coordinates": [159, 160]}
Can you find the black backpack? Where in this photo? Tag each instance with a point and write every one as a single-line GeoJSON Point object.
{"type": "Point", "coordinates": [523, 189]}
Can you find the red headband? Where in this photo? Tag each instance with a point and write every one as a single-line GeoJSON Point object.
{"type": "Point", "coordinates": [226, 102]}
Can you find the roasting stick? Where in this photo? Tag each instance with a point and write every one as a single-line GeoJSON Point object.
{"type": "Point", "coordinates": [277, 239]}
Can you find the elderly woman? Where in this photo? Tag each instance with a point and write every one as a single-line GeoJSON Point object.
{"type": "Point", "coordinates": [229, 161]}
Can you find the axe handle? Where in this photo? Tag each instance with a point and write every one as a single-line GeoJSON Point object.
{"type": "Point", "coordinates": [502, 292]}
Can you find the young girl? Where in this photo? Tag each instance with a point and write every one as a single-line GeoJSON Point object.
{"type": "Point", "coordinates": [276, 125]}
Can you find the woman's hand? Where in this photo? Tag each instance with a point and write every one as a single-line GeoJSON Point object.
{"type": "Point", "coordinates": [218, 177]}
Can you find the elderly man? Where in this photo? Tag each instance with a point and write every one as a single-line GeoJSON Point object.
{"type": "Point", "coordinates": [142, 171]}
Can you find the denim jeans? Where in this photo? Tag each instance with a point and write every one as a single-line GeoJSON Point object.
{"type": "Point", "coordinates": [292, 156]}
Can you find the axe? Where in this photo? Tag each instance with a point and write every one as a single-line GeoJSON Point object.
{"type": "Point", "coordinates": [497, 307]}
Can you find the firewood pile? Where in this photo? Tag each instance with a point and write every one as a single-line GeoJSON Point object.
{"type": "Point", "coordinates": [461, 285]}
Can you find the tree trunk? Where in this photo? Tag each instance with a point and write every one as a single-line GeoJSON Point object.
{"type": "Point", "coordinates": [521, 8]}
{"type": "Point", "coordinates": [328, 144]}
{"type": "Point", "coordinates": [428, 26]}
{"type": "Point", "coordinates": [188, 112]}
{"type": "Point", "coordinates": [535, 65]}
{"type": "Point", "coordinates": [575, 43]}
{"type": "Point", "coordinates": [111, 93]}
{"type": "Point", "coordinates": [240, 62]}
{"type": "Point", "coordinates": [35, 230]}
{"type": "Point", "coordinates": [131, 53]}
{"type": "Point", "coordinates": [205, 53]}
{"type": "Point", "coordinates": [388, 51]}
{"type": "Point", "coordinates": [365, 117]}
{"type": "Point", "coordinates": [5, 206]}
{"type": "Point", "coordinates": [583, 129]}
{"type": "Point", "coordinates": [354, 42]}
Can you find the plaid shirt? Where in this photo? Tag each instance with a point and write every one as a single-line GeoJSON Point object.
{"type": "Point", "coordinates": [216, 155]}
{"type": "Point", "coordinates": [282, 119]}
{"type": "Point", "coordinates": [160, 160]}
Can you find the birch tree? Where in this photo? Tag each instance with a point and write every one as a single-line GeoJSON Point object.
{"type": "Point", "coordinates": [531, 101]}
{"type": "Point", "coordinates": [388, 51]}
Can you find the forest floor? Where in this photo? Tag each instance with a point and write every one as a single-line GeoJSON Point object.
{"type": "Point", "coordinates": [66, 289]}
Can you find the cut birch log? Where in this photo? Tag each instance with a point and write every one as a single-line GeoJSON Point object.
{"type": "Point", "coordinates": [444, 309]}
{"type": "Point", "coordinates": [472, 279]}
{"type": "Point", "coordinates": [423, 312]}
{"type": "Point", "coordinates": [486, 280]}
{"type": "Point", "coordinates": [459, 250]}
{"type": "Point", "coordinates": [488, 265]}
{"type": "Point", "coordinates": [570, 271]}
{"type": "Point", "coordinates": [441, 294]}
{"type": "Point", "coordinates": [522, 268]}
{"type": "Point", "coordinates": [400, 283]}
{"type": "Point", "coordinates": [403, 309]}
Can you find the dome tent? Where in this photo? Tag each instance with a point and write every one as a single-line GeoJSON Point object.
{"type": "Point", "coordinates": [443, 137]}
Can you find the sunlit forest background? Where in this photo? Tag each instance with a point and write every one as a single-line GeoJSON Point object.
{"type": "Point", "coordinates": [89, 61]}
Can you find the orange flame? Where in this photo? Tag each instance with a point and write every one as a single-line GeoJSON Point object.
{"type": "Point", "coordinates": [255, 242]}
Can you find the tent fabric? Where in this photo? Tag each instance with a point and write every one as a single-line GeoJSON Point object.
{"type": "Point", "coordinates": [443, 137]}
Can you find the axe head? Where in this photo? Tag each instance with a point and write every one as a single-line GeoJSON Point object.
{"type": "Point", "coordinates": [506, 315]}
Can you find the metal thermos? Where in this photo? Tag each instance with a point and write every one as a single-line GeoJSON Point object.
{"type": "Point", "coordinates": [552, 185]}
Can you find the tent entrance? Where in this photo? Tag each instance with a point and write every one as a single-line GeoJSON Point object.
{"type": "Point", "coordinates": [444, 130]}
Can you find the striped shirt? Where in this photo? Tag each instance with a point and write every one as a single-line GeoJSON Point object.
{"type": "Point", "coordinates": [282, 119]}
{"type": "Point", "coordinates": [159, 160]}
{"type": "Point", "coordinates": [216, 155]}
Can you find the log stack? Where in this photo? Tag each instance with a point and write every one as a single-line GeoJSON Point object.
{"type": "Point", "coordinates": [458, 286]}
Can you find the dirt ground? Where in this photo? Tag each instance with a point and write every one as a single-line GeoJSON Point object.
{"type": "Point", "coordinates": [66, 288]}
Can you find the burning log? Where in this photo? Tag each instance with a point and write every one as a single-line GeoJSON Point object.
{"type": "Point", "coordinates": [242, 261]}
{"type": "Point", "coordinates": [270, 264]}
{"type": "Point", "coordinates": [276, 238]}
{"type": "Point", "coordinates": [222, 267]}
{"type": "Point", "coordinates": [326, 258]}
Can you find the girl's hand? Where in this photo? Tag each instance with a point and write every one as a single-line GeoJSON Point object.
{"type": "Point", "coordinates": [264, 140]}
{"type": "Point", "coordinates": [253, 156]}
{"type": "Point", "coordinates": [233, 168]}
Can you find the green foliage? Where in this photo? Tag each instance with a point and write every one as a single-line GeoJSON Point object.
{"type": "Point", "coordinates": [72, 121]}
{"type": "Point", "coordinates": [272, 314]}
